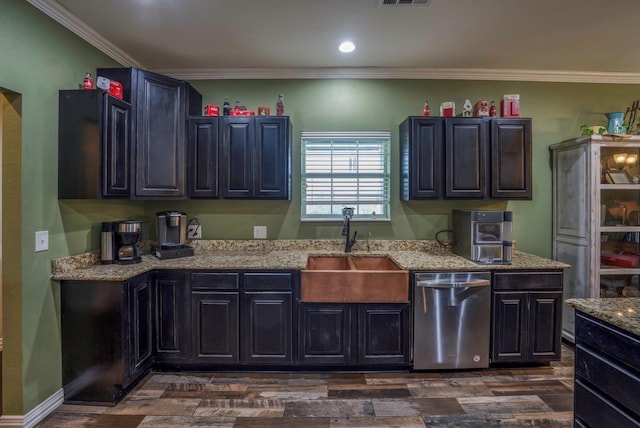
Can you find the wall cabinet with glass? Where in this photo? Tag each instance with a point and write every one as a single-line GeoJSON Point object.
{"type": "Point", "coordinates": [596, 217]}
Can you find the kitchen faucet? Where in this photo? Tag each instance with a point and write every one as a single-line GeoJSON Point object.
{"type": "Point", "coordinates": [347, 213]}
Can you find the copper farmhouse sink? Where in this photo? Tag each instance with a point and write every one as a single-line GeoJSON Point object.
{"type": "Point", "coordinates": [353, 279]}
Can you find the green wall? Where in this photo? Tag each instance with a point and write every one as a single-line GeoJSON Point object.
{"type": "Point", "coordinates": [39, 57]}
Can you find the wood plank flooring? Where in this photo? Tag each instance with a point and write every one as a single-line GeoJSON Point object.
{"type": "Point", "coordinates": [508, 397]}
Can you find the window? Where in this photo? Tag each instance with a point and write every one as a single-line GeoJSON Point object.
{"type": "Point", "coordinates": [346, 169]}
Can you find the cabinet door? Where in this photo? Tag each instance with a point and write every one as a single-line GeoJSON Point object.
{"type": "Point", "coordinates": [421, 158]}
{"type": "Point", "coordinates": [215, 326]}
{"type": "Point", "coordinates": [172, 326]}
{"type": "Point", "coordinates": [236, 158]}
{"type": "Point", "coordinates": [140, 328]}
{"type": "Point", "coordinates": [160, 136]}
{"type": "Point", "coordinates": [511, 158]}
{"type": "Point", "coordinates": [383, 334]}
{"type": "Point", "coordinates": [325, 333]}
{"type": "Point", "coordinates": [465, 158]}
{"type": "Point", "coordinates": [267, 332]}
{"type": "Point", "coordinates": [116, 147]}
{"type": "Point", "coordinates": [509, 329]}
{"type": "Point", "coordinates": [545, 325]}
{"type": "Point", "coordinates": [202, 174]}
{"type": "Point", "coordinates": [272, 159]}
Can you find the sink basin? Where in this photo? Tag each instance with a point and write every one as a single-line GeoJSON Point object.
{"type": "Point", "coordinates": [353, 279]}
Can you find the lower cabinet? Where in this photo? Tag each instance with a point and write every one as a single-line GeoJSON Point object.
{"type": "Point", "coordinates": [172, 318]}
{"type": "Point", "coordinates": [268, 327]}
{"type": "Point", "coordinates": [107, 340]}
{"type": "Point", "coordinates": [607, 375]}
{"type": "Point", "coordinates": [526, 316]}
{"type": "Point", "coordinates": [354, 334]}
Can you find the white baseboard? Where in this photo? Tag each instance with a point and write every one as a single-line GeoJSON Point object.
{"type": "Point", "coordinates": [36, 415]}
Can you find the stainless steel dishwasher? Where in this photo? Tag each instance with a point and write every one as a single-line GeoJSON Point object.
{"type": "Point", "coordinates": [451, 320]}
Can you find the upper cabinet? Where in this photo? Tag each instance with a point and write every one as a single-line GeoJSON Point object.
{"type": "Point", "coordinates": [94, 145]}
{"type": "Point", "coordinates": [249, 157]}
{"type": "Point", "coordinates": [465, 158]}
{"type": "Point", "coordinates": [160, 107]}
{"type": "Point", "coordinates": [129, 148]}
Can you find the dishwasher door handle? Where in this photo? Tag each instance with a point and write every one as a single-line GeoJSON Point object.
{"type": "Point", "coordinates": [450, 284]}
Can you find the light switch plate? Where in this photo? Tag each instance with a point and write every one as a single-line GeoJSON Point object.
{"type": "Point", "coordinates": [42, 240]}
{"type": "Point", "coordinates": [259, 232]}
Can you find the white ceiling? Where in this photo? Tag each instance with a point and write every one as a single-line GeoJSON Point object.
{"type": "Point", "coordinates": [551, 40]}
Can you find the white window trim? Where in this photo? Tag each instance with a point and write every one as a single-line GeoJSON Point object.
{"type": "Point", "coordinates": [382, 135]}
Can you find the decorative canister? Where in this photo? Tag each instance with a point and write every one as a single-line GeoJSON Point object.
{"type": "Point", "coordinates": [616, 123]}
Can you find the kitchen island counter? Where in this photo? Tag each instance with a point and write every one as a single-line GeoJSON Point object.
{"type": "Point", "coordinates": [287, 255]}
{"type": "Point", "coordinates": [623, 313]}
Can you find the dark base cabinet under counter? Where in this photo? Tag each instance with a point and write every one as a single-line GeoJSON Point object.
{"type": "Point", "coordinates": [607, 374]}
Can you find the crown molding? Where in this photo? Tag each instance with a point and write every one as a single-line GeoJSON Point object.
{"type": "Point", "coordinates": [55, 11]}
{"type": "Point", "coordinates": [567, 76]}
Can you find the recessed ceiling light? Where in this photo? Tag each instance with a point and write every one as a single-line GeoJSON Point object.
{"type": "Point", "coordinates": [347, 47]}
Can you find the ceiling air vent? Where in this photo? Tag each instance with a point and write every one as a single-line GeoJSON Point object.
{"type": "Point", "coordinates": [404, 2]}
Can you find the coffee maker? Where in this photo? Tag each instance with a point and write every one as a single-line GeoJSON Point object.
{"type": "Point", "coordinates": [172, 235]}
{"type": "Point", "coordinates": [120, 242]}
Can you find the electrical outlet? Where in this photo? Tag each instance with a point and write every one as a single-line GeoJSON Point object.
{"type": "Point", "coordinates": [259, 232]}
{"type": "Point", "coordinates": [194, 231]}
{"type": "Point", "coordinates": [42, 240]}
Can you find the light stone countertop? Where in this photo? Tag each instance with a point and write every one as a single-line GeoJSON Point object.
{"type": "Point", "coordinates": [621, 312]}
{"type": "Point", "coordinates": [288, 255]}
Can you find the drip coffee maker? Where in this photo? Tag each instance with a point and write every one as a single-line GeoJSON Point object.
{"type": "Point", "coordinates": [127, 241]}
{"type": "Point", "coordinates": [172, 235]}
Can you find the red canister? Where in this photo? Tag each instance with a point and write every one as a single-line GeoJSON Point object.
{"type": "Point", "coordinates": [87, 83]}
{"type": "Point", "coordinates": [211, 110]}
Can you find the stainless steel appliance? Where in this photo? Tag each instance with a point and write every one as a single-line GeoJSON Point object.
{"type": "Point", "coordinates": [172, 235]}
{"type": "Point", "coordinates": [451, 317]}
{"type": "Point", "coordinates": [483, 236]}
{"type": "Point", "coordinates": [108, 250]}
{"type": "Point", "coordinates": [127, 241]}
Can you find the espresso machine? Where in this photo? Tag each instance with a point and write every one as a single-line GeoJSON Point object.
{"type": "Point", "coordinates": [120, 242]}
{"type": "Point", "coordinates": [172, 235]}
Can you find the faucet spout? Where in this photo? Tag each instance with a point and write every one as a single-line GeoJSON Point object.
{"type": "Point", "coordinates": [347, 213]}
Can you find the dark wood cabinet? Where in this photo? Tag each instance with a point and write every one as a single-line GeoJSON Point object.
{"type": "Point", "coordinates": [160, 107]}
{"type": "Point", "coordinates": [255, 157]}
{"type": "Point", "coordinates": [526, 316]}
{"type": "Point", "coordinates": [354, 334]}
{"type": "Point", "coordinates": [172, 326]}
{"type": "Point", "coordinates": [465, 158]}
{"type": "Point", "coordinates": [607, 374]}
{"type": "Point", "coordinates": [202, 166]}
{"type": "Point", "coordinates": [94, 145]}
{"type": "Point", "coordinates": [106, 330]}
{"type": "Point", "coordinates": [511, 174]}
{"type": "Point", "coordinates": [215, 311]}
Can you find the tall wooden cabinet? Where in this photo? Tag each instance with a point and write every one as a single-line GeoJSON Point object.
{"type": "Point", "coordinates": [465, 158]}
{"type": "Point", "coordinates": [596, 217]}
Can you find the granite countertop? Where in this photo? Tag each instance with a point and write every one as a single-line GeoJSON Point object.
{"type": "Point", "coordinates": [286, 254]}
{"type": "Point", "coordinates": [621, 312]}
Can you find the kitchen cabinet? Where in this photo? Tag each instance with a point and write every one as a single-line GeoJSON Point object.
{"type": "Point", "coordinates": [255, 157]}
{"type": "Point", "coordinates": [526, 316]}
{"type": "Point", "coordinates": [202, 169]}
{"type": "Point", "coordinates": [596, 212]}
{"type": "Point", "coordinates": [172, 324]}
{"type": "Point", "coordinates": [215, 300]}
{"type": "Point", "coordinates": [243, 317]}
{"type": "Point", "coordinates": [354, 334]}
{"type": "Point", "coordinates": [607, 375]}
{"type": "Point", "coordinates": [465, 158]}
{"type": "Point", "coordinates": [107, 341]}
{"type": "Point", "coordinates": [160, 106]}
{"type": "Point", "coordinates": [94, 145]}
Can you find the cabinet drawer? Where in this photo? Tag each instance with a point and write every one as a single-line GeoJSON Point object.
{"type": "Point", "coordinates": [615, 381]}
{"type": "Point", "coordinates": [595, 410]}
{"type": "Point", "coordinates": [527, 281]}
{"type": "Point", "coordinates": [215, 280]}
{"type": "Point", "coordinates": [268, 281]}
{"type": "Point", "coordinates": [614, 342]}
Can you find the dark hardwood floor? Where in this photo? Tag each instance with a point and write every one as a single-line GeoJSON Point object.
{"type": "Point", "coordinates": [507, 397]}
